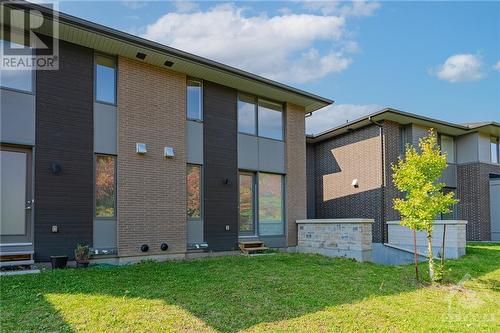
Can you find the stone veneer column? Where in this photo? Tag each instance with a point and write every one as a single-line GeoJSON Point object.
{"type": "Point", "coordinates": [151, 188]}
{"type": "Point", "coordinates": [296, 183]}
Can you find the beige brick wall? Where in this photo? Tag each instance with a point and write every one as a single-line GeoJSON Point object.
{"type": "Point", "coordinates": [151, 189]}
{"type": "Point", "coordinates": [358, 160]}
{"type": "Point", "coordinates": [296, 202]}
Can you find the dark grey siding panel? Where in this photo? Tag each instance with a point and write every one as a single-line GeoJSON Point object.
{"type": "Point", "coordinates": [220, 163]}
{"type": "Point", "coordinates": [64, 134]}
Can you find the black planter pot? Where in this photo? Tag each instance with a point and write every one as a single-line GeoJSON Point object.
{"type": "Point", "coordinates": [59, 261]}
{"type": "Point", "coordinates": [82, 264]}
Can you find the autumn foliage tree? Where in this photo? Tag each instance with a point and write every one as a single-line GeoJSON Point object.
{"type": "Point", "coordinates": [417, 175]}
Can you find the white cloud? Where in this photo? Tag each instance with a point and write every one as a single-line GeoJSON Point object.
{"type": "Point", "coordinates": [497, 66]}
{"type": "Point", "coordinates": [280, 47]}
{"type": "Point", "coordinates": [335, 115]}
{"type": "Point", "coordinates": [461, 68]}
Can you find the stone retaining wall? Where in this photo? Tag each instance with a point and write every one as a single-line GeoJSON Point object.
{"type": "Point", "coordinates": [454, 243]}
{"type": "Point", "coordinates": [350, 238]}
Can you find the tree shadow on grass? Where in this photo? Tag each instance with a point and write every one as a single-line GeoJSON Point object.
{"type": "Point", "coordinates": [227, 293]}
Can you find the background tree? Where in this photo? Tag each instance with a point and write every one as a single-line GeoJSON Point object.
{"type": "Point", "coordinates": [416, 175]}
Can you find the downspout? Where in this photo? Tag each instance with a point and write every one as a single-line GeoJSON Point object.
{"type": "Point", "coordinates": [382, 188]}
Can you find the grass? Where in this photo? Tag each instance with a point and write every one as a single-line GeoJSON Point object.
{"type": "Point", "coordinates": [279, 293]}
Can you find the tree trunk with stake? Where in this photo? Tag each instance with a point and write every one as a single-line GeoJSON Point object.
{"type": "Point", "coordinates": [442, 246]}
{"type": "Point", "coordinates": [431, 257]}
{"type": "Point", "coordinates": [415, 250]}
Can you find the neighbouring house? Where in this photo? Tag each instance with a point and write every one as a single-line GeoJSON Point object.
{"type": "Point", "coordinates": [349, 170]}
{"type": "Point", "coordinates": [144, 151]}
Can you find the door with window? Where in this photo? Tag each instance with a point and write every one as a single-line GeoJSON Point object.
{"type": "Point", "coordinates": [16, 196]}
{"type": "Point", "coordinates": [247, 204]}
{"type": "Point", "coordinates": [261, 204]}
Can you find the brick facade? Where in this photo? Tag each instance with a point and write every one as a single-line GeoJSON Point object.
{"type": "Point", "coordinates": [311, 184]}
{"type": "Point", "coordinates": [392, 144]}
{"type": "Point", "coordinates": [296, 201]}
{"type": "Point", "coordinates": [151, 188]}
{"type": "Point", "coordinates": [355, 155]}
{"type": "Point", "coordinates": [473, 191]}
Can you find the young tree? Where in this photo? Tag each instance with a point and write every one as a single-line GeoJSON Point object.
{"type": "Point", "coordinates": [417, 177]}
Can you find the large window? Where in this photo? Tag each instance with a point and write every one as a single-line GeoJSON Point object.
{"type": "Point", "coordinates": [405, 139]}
{"type": "Point", "coordinates": [270, 204]}
{"type": "Point", "coordinates": [194, 100]}
{"type": "Point", "coordinates": [105, 186]}
{"type": "Point", "coordinates": [260, 117]}
{"type": "Point", "coordinates": [18, 79]}
{"type": "Point", "coordinates": [448, 148]}
{"type": "Point", "coordinates": [105, 79]}
{"type": "Point", "coordinates": [494, 150]}
{"type": "Point", "coordinates": [193, 192]}
{"type": "Point", "coordinates": [247, 115]}
{"type": "Point", "coordinates": [247, 203]}
{"type": "Point", "coordinates": [270, 120]}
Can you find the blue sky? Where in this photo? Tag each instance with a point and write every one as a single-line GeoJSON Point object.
{"type": "Point", "coordinates": [438, 59]}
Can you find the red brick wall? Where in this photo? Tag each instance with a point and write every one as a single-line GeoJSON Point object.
{"type": "Point", "coordinates": [151, 189]}
{"type": "Point", "coordinates": [296, 201]}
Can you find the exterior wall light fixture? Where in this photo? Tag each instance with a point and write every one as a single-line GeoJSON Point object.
{"type": "Point", "coordinates": [355, 183]}
{"type": "Point", "coordinates": [140, 148]}
{"type": "Point", "coordinates": [168, 152]}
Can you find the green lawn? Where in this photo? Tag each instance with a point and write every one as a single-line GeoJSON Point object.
{"type": "Point", "coordinates": [281, 292]}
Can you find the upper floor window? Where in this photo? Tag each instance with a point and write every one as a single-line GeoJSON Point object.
{"type": "Point", "coordinates": [247, 115]}
{"type": "Point", "coordinates": [405, 138]}
{"type": "Point", "coordinates": [260, 117]}
{"type": "Point", "coordinates": [494, 150]}
{"type": "Point", "coordinates": [194, 100]}
{"type": "Point", "coordinates": [20, 78]}
{"type": "Point", "coordinates": [448, 148]}
{"type": "Point", "coordinates": [270, 120]}
{"type": "Point", "coordinates": [105, 79]}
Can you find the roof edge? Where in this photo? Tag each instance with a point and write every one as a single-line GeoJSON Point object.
{"type": "Point", "coordinates": [382, 112]}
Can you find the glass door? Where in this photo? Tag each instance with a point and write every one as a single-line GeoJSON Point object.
{"type": "Point", "coordinates": [247, 204]}
{"type": "Point", "coordinates": [16, 203]}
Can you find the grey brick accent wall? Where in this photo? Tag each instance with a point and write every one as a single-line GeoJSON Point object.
{"type": "Point", "coordinates": [64, 134]}
{"type": "Point", "coordinates": [473, 191]}
{"type": "Point", "coordinates": [392, 144]}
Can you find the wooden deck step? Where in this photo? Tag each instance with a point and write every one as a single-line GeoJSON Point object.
{"type": "Point", "coordinates": [253, 246]}
{"type": "Point", "coordinates": [20, 258]}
